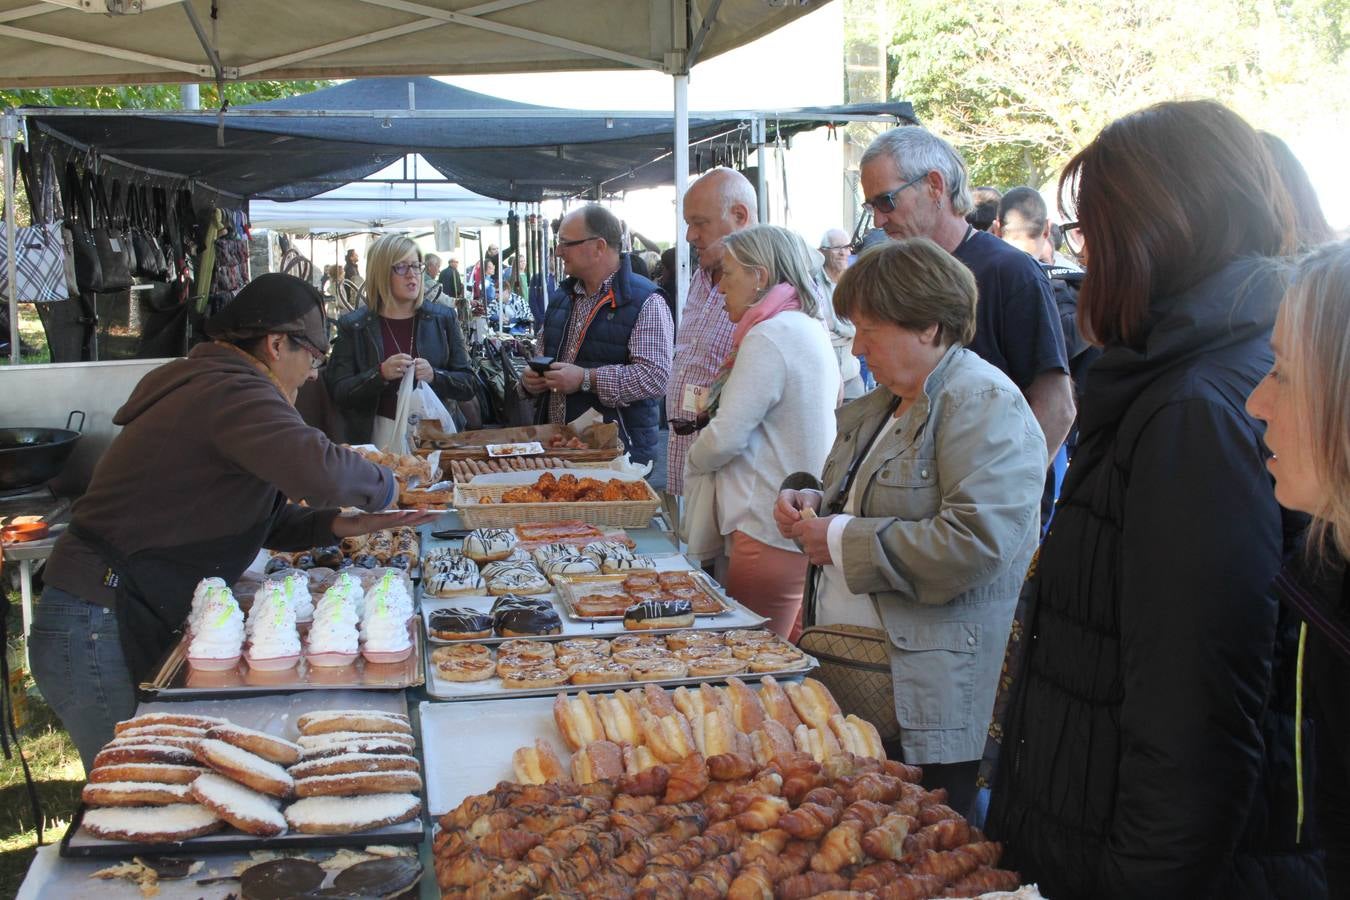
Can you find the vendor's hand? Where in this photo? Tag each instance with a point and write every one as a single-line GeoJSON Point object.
{"type": "Point", "coordinates": [811, 535]}
{"type": "Point", "coordinates": [787, 512]}
{"type": "Point", "coordinates": [365, 523]}
{"type": "Point", "coordinates": [392, 369]}
{"type": "Point", "coordinates": [563, 378]}
{"type": "Point", "coordinates": [423, 370]}
{"type": "Point", "coordinates": [533, 382]}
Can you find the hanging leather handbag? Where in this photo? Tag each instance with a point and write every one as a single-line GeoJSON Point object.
{"type": "Point", "coordinates": [113, 254]}
{"type": "Point", "coordinates": [149, 257]}
{"type": "Point", "coordinates": [79, 227]}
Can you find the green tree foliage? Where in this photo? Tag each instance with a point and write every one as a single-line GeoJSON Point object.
{"type": "Point", "coordinates": [157, 96]}
{"type": "Point", "coordinates": [1019, 87]}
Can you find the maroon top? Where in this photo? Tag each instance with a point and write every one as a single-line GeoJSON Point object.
{"type": "Point", "coordinates": [397, 337]}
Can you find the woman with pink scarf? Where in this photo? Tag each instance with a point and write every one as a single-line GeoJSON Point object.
{"type": "Point", "coordinates": [769, 413]}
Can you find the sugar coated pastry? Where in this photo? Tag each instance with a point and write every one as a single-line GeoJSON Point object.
{"type": "Point", "coordinates": [487, 544]}
{"type": "Point", "coordinates": [145, 753]}
{"type": "Point", "coordinates": [152, 824]}
{"type": "Point", "coordinates": [218, 633]}
{"type": "Point", "coordinates": [348, 763]}
{"type": "Point", "coordinates": [156, 773]}
{"type": "Point", "coordinates": [146, 720]}
{"type": "Point", "coordinates": [352, 784]}
{"type": "Point", "coordinates": [245, 809]}
{"type": "Point", "coordinates": [249, 769]}
{"type": "Point", "coordinates": [134, 793]}
{"type": "Point", "coordinates": [346, 815]}
{"type": "Point", "coordinates": [328, 720]}
{"type": "Point", "coordinates": [268, 746]}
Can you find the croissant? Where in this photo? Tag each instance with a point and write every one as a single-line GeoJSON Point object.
{"type": "Point", "coordinates": [662, 884]}
{"type": "Point", "coordinates": [466, 869]}
{"type": "Point", "coordinates": [468, 811]}
{"type": "Point", "coordinates": [608, 882]}
{"type": "Point", "coordinates": [945, 835]}
{"type": "Point", "coordinates": [687, 780]}
{"type": "Point", "coordinates": [887, 840]}
{"type": "Point", "coordinates": [910, 887]}
{"type": "Point", "coordinates": [776, 704]}
{"type": "Point", "coordinates": [869, 812]}
{"type": "Point", "coordinates": [753, 883]}
{"type": "Point", "coordinates": [875, 876]}
{"type": "Point", "coordinates": [808, 884]}
{"type": "Point", "coordinates": [646, 783]}
{"type": "Point", "coordinates": [712, 880]}
{"type": "Point", "coordinates": [762, 814]}
{"type": "Point", "coordinates": [912, 774]}
{"type": "Point", "coordinates": [731, 766]}
{"type": "Point", "coordinates": [825, 796]}
{"type": "Point", "coordinates": [953, 865]}
{"type": "Point", "coordinates": [841, 846]}
{"type": "Point", "coordinates": [809, 821]}
{"type": "Point", "coordinates": [936, 812]}
{"type": "Point", "coordinates": [801, 778]}
{"type": "Point", "coordinates": [871, 786]}
{"type": "Point", "coordinates": [512, 843]}
{"type": "Point", "coordinates": [984, 881]}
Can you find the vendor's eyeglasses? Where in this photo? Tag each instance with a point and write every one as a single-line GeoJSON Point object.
{"type": "Point", "coordinates": [406, 268]}
{"type": "Point", "coordinates": [562, 243]}
{"type": "Point", "coordinates": [885, 203]}
{"type": "Point", "coordinates": [317, 357]}
{"type": "Point", "coordinates": [686, 427]}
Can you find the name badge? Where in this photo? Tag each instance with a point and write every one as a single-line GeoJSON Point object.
{"type": "Point", "coordinates": [695, 399]}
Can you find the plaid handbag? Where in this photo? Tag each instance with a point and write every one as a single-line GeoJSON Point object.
{"type": "Point", "coordinates": [40, 264]}
{"type": "Point", "coordinates": [855, 665]}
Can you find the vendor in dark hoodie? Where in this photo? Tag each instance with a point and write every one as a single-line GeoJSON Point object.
{"type": "Point", "coordinates": [209, 467]}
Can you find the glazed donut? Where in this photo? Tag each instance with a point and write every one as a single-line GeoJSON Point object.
{"type": "Point", "coordinates": [269, 747]}
{"type": "Point", "coordinates": [350, 784]}
{"type": "Point", "coordinates": [527, 649]}
{"type": "Point", "coordinates": [384, 744]}
{"type": "Point", "coordinates": [525, 580]}
{"type": "Point", "coordinates": [530, 679]}
{"type": "Point", "coordinates": [466, 668]}
{"type": "Point", "coordinates": [134, 793]}
{"type": "Point", "coordinates": [650, 614]}
{"type": "Point", "coordinates": [313, 741]}
{"type": "Point", "coordinates": [460, 651]}
{"type": "Point", "coordinates": [523, 622]}
{"type": "Point", "coordinates": [618, 565]}
{"type": "Point", "coordinates": [348, 763]}
{"type": "Point", "coordinates": [578, 720]}
{"type": "Point", "coordinates": [152, 824]}
{"type": "Point", "coordinates": [352, 720]}
{"type": "Point", "coordinates": [812, 702]}
{"type": "Point", "coordinates": [452, 582]}
{"type": "Point", "coordinates": [659, 669]}
{"type": "Point", "coordinates": [488, 544]}
{"type": "Point", "coordinates": [162, 718]}
{"type": "Point", "coordinates": [144, 753]}
{"type": "Point", "coordinates": [717, 666]}
{"type": "Point", "coordinates": [570, 565]}
{"type": "Point", "coordinates": [681, 640]}
{"type": "Point", "coordinates": [154, 773]}
{"type": "Point", "coordinates": [249, 811]}
{"type": "Point", "coordinates": [598, 646]}
{"type": "Point", "coordinates": [346, 815]}
{"type": "Point", "coordinates": [600, 672]}
{"type": "Point", "coordinates": [247, 768]}
{"type": "Point", "coordinates": [458, 624]}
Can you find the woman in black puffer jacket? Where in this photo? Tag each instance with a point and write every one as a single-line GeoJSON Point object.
{"type": "Point", "coordinates": [1146, 738]}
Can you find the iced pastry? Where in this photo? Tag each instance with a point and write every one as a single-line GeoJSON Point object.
{"type": "Point", "coordinates": [333, 638]}
{"type": "Point", "coordinates": [218, 633]}
{"type": "Point", "coordinates": [384, 628]}
{"type": "Point", "coordinates": [274, 640]}
{"type": "Point", "coordinates": [487, 544]}
{"type": "Point", "coordinates": [451, 575]}
{"type": "Point", "coordinates": [348, 587]}
{"type": "Point", "coordinates": [296, 587]}
{"type": "Point", "coordinates": [570, 564]}
{"type": "Point", "coordinates": [390, 591]}
{"type": "Point", "coordinates": [200, 594]}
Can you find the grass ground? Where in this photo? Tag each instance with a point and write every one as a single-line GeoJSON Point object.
{"type": "Point", "coordinates": [32, 335]}
{"type": "Point", "coordinates": [59, 777]}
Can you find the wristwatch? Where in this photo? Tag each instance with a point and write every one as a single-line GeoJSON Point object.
{"type": "Point", "coordinates": [586, 380]}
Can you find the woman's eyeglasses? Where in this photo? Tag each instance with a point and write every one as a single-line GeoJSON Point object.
{"type": "Point", "coordinates": [1073, 238]}
{"type": "Point", "coordinates": [885, 203]}
{"type": "Point", "coordinates": [686, 427]}
{"type": "Point", "coordinates": [404, 269]}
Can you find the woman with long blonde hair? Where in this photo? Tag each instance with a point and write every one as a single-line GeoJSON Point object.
{"type": "Point", "coordinates": [1308, 435]}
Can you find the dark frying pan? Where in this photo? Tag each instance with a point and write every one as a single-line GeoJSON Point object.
{"type": "Point", "coordinates": [33, 456]}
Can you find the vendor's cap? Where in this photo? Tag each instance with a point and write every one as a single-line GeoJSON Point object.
{"type": "Point", "coordinates": [272, 304]}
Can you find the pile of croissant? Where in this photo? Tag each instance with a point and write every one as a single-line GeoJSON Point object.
{"type": "Point", "coordinates": [851, 827]}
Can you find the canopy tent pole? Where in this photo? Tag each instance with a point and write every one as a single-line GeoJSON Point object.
{"type": "Point", "coordinates": [9, 130]}
{"type": "Point", "coordinates": [762, 181]}
{"type": "Point", "coordinates": [681, 148]}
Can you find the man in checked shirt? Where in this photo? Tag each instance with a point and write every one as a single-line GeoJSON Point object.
{"type": "Point", "coordinates": [609, 332]}
{"type": "Point", "coordinates": [721, 201]}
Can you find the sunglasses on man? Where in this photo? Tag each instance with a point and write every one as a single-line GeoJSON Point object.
{"type": "Point", "coordinates": [686, 427]}
{"type": "Point", "coordinates": [885, 203]}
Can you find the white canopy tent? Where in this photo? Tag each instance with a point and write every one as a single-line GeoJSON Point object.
{"type": "Point", "coordinates": [374, 204]}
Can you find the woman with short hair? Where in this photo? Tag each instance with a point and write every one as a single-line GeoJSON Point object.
{"type": "Point", "coordinates": [927, 512]}
{"type": "Point", "coordinates": [1302, 402]}
{"type": "Point", "coordinates": [1146, 746]}
{"type": "Point", "coordinates": [395, 332]}
{"type": "Point", "coordinates": [769, 413]}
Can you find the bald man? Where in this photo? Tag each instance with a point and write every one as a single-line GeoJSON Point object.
{"type": "Point", "coordinates": [720, 202]}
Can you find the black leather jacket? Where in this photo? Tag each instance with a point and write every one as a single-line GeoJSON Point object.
{"type": "Point", "coordinates": [353, 372]}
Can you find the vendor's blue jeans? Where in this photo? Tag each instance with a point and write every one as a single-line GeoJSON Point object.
{"type": "Point", "coordinates": [78, 665]}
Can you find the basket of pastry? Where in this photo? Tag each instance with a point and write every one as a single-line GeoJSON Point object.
{"type": "Point", "coordinates": [647, 805]}
{"type": "Point", "coordinates": [169, 777]}
{"type": "Point", "coordinates": [468, 670]}
{"type": "Point", "coordinates": [614, 501]}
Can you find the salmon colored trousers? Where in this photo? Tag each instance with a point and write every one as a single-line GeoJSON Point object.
{"type": "Point", "coordinates": [769, 581]}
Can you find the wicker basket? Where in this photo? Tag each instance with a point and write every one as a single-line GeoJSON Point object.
{"type": "Point", "coordinates": [621, 513]}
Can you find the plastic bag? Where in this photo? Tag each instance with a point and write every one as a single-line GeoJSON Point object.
{"type": "Point", "coordinates": [428, 407]}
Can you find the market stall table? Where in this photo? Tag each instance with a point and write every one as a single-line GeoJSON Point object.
{"type": "Point", "coordinates": [33, 505]}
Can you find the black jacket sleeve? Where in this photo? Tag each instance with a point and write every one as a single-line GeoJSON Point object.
{"type": "Point", "coordinates": [453, 375]}
{"type": "Point", "coordinates": [350, 383]}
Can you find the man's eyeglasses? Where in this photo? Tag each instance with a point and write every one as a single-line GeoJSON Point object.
{"type": "Point", "coordinates": [827, 247]}
{"type": "Point", "coordinates": [404, 269]}
{"type": "Point", "coordinates": [562, 243]}
{"type": "Point", "coordinates": [316, 355]}
{"type": "Point", "coordinates": [1073, 237]}
{"type": "Point", "coordinates": [686, 427]}
{"type": "Point", "coordinates": [885, 203]}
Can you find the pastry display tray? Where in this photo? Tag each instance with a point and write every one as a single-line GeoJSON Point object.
{"type": "Point", "coordinates": [492, 688]}
{"type": "Point", "coordinates": [570, 590]}
{"type": "Point", "coordinates": [469, 745]}
{"type": "Point", "coordinates": [177, 680]}
{"type": "Point", "coordinates": [276, 715]}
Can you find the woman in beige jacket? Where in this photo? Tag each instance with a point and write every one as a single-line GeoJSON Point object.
{"type": "Point", "coordinates": [926, 513]}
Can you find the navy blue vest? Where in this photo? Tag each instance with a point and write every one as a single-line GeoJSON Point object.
{"type": "Point", "coordinates": [606, 344]}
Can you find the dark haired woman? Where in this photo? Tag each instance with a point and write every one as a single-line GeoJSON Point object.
{"type": "Point", "coordinates": [1146, 749]}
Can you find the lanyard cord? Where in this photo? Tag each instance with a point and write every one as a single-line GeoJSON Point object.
{"type": "Point", "coordinates": [1298, 727]}
{"type": "Point", "coordinates": [842, 497]}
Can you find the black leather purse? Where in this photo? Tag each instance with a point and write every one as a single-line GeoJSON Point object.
{"type": "Point", "coordinates": [80, 227]}
{"type": "Point", "coordinates": [114, 248]}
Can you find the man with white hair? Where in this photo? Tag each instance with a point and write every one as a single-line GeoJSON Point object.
{"type": "Point", "coordinates": [721, 201]}
{"type": "Point", "coordinates": [836, 248]}
{"type": "Point", "coordinates": [916, 186]}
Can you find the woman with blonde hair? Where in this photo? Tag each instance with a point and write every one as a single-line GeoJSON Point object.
{"type": "Point", "coordinates": [770, 412]}
{"type": "Point", "coordinates": [1308, 435]}
{"type": "Point", "coordinates": [394, 333]}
